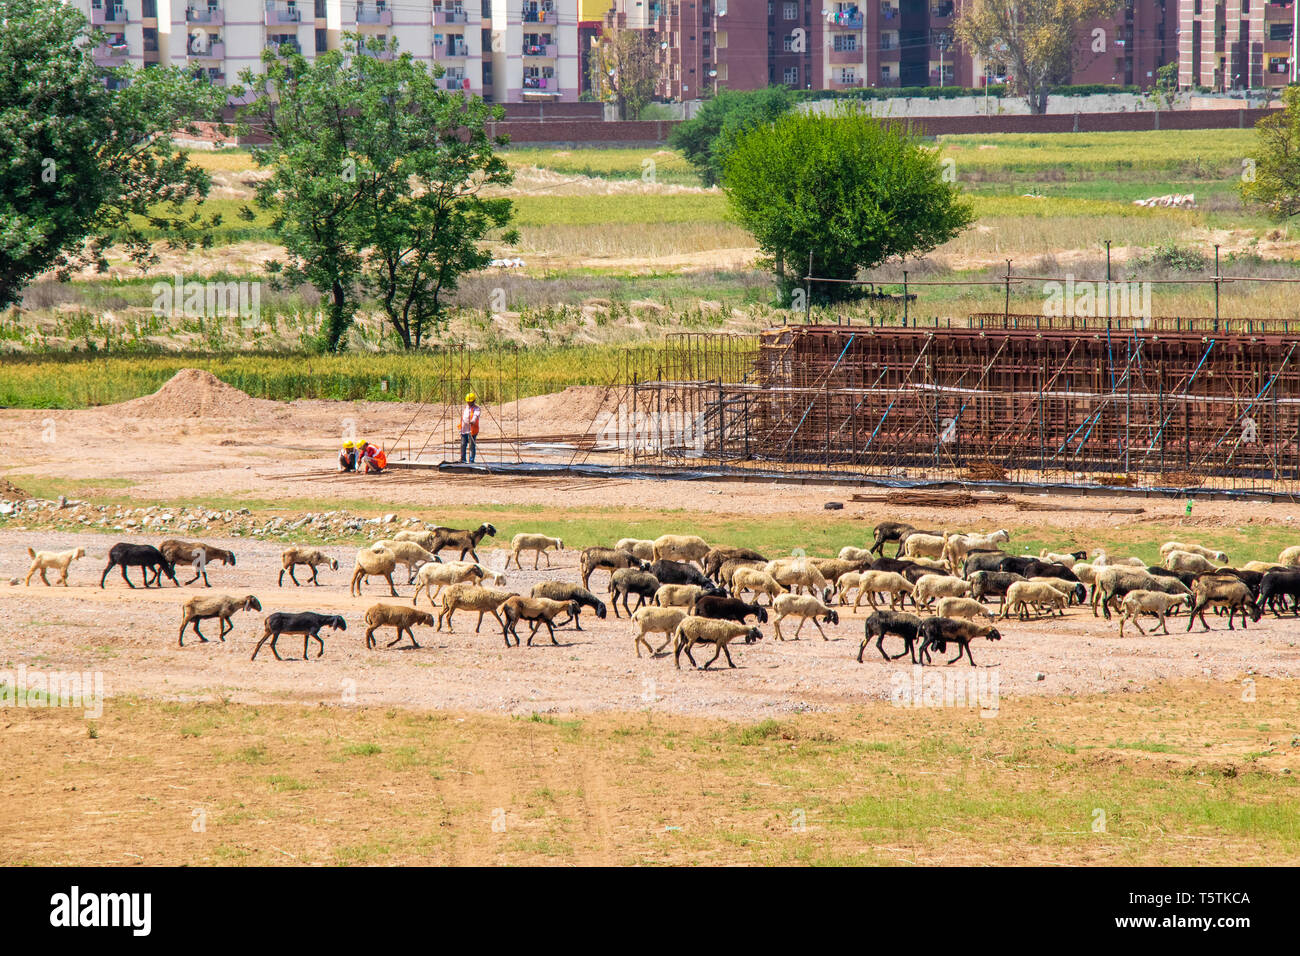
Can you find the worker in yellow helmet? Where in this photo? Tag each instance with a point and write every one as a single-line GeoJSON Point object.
{"type": "Point", "coordinates": [348, 456]}
{"type": "Point", "coordinates": [469, 416]}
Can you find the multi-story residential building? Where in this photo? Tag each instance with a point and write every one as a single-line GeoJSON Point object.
{"type": "Point", "coordinates": [534, 46]}
{"type": "Point", "coordinates": [1238, 44]}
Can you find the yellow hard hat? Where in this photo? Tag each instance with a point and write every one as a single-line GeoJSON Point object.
{"type": "Point", "coordinates": [347, 444]}
{"type": "Point", "coordinates": [471, 398]}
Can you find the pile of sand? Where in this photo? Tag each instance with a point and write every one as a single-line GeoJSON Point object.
{"type": "Point", "coordinates": [572, 410]}
{"type": "Point", "coordinates": [11, 492]}
{"type": "Point", "coordinates": [195, 393]}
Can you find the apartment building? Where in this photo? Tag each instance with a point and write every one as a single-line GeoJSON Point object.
{"type": "Point", "coordinates": [1238, 44]}
{"type": "Point", "coordinates": [534, 51]}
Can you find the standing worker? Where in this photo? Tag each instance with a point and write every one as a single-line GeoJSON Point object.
{"type": "Point", "coordinates": [469, 416]}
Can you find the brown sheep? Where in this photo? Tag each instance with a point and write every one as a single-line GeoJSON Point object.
{"type": "Point", "coordinates": [397, 616]}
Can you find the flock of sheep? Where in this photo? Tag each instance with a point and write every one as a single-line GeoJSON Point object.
{"type": "Point", "coordinates": [693, 593]}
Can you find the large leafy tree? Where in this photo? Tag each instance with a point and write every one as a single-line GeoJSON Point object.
{"type": "Point", "coordinates": [1274, 181]}
{"type": "Point", "coordinates": [706, 139]}
{"type": "Point", "coordinates": [83, 166]}
{"type": "Point", "coordinates": [844, 189]}
{"type": "Point", "coordinates": [1037, 40]}
{"type": "Point", "coordinates": [623, 70]}
{"type": "Point", "coordinates": [381, 181]}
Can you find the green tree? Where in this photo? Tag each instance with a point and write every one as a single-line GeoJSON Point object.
{"type": "Point", "coordinates": [846, 190]}
{"type": "Point", "coordinates": [1036, 39]}
{"type": "Point", "coordinates": [1274, 181]}
{"type": "Point", "coordinates": [83, 166]}
{"type": "Point", "coordinates": [706, 138]}
{"type": "Point", "coordinates": [377, 182]}
{"type": "Point", "coordinates": [623, 71]}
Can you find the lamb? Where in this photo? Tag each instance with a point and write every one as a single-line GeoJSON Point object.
{"type": "Point", "coordinates": [539, 544]}
{"type": "Point", "coordinates": [882, 582]}
{"type": "Point", "coordinates": [933, 586]}
{"type": "Point", "coordinates": [397, 616]}
{"type": "Point", "coordinates": [306, 623]}
{"type": "Point", "coordinates": [606, 559]}
{"type": "Point", "coordinates": [728, 609]}
{"type": "Point", "coordinates": [889, 531]}
{"type": "Point", "coordinates": [374, 561]}
{"type": "Point", "coordinates": [143, 556]}
{"type": "Point", "coordinates": [679, 595]}
{"type": "Point", "coordinates": [962, 607]}
{"type": "Point", "coordinates": [467, 541]}
{"type": "Point", "coordinates": [1024, 594]}
{"type": "Point", "coordinates": [643, 548]}
{"type": "Point", "coordinates": [655, 620]}
{"type": "Point", "coordinates": [1187, 562]}
{"type": "Point", "coordinates": [918, 545]}
{"type": "Point", "coordinates": [562, 591]}
{"type": "Point", "coordinates": [312, 557]}
{"type": "Point", "coordinates": [957, 546]}
{"type": "Point", "coordinates": [706, 630]}
{"type": "Point", "coordinates": [1115, 582]}
{"type": "Point", "coordinates": [717, 557]}
{"type": "Point", "coordinates": [760, 582]}
{"type": "Point", "coordinates": [43, 561]}
{"type": "Point", "coordinates": [408, 553]}
{"type": "Point", "coordinates": [680, 547]}
{"type": "Point", "coordinates": [538, 611]}
{"type": "Point", "coordinates": [882, 623]}
{"type": "Point", "coordinates": [1170, 546]}
{"type": "Point", "coordinates": [939, 632]}
{"type": "Point", "coordinates": [1289, 557]}
{"type": "Point", "coordinates": [197, 554]}
{"type": "Point", "coordinates": [432, 578]}
{"type": "Point", "coordinates": [1226, 593]}
{"type": "Point", "coordinates": [805, 608]}
{"type": "Point", "coordinates": [1149, 602]}
{"type": "Point", "coordinates": [628, 581]}
{"type": "Point", "coordinates": [223, 606]}
{"type": "Point", "coordinates": [987, 584]}
{"type": "Point", "coordinates": [471, 597]}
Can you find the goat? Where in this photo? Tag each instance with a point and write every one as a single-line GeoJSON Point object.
{"type": "Point", "coordinates": [707, 630]}
{"type": "Point", "coordinates": [312, 557]}
{"type": "Point", "coordinates": [143, 556]}
{"type": "Point", "coordinates": [197, 554]}
{"type": "Point", "coordinates": [222, 606]}
{"type": "Point", "coordinates": [397, 616]}
{"type": "Point", "coordinates": [306, 623]}
{"type": "Point", "coordinates": [43, 561]}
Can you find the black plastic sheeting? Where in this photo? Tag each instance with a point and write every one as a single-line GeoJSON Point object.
{"type": "Point", "coordinates": [538, 469]}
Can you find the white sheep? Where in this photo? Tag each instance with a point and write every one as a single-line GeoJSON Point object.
{"type": "Point", "coordinates": [1171, 546]}
{"type": "Point", "coordinates": [872, 583]}
{"type": "Point", "coordinates": [1290, 557]}
{"type": "Point", "coordinates": [962, 607]}
{"type": "Point", "coordinates": [795, 574]}
{"type": "Point", "coordinates": [1149, 602]}
{"type": "Point", "coordinates": [680, 547]}
{"type": "Point", "coordinates": [1025, 594]}
{"type": "Point", "coordinates": [678, 595]}
{"type": "Point", "coordinates": [924, 546]}
{"type": "Point", "coordinates": [424, 539]}
{"type": "Point", "coordinates": [471, 597]}
{"type": "Point", "coordinates": [432, 578]}
{"type": "Point", "coordinates": [1185, 562]}
{"type": "Point", "coordinates": [931, 586]}
{"type": "Point", "coordinates": [43, 561]}
{"type": "Point", "coordinates": [374, 561]}
{"type": "Point", "coordinates": [850, 553]}
{"type": "Point", "coordinates": [641, 547]}
{"type": "Point", "coordinates": [707, 630]}
{"type": "Point", "coordinates": [852, 581]}
{"type": "Point", "coordinates": [1056, 557]}
{"type": "Point", "coordinates": [539, 544]}
{"type": "Point", "coordinates": [655, 620]}
{"type": "Point", "coordinates": [806, 609]}
{"type": "Point", "coordinates": [756, 580]}
{"type": "Point", "coordinates": [407, 553]}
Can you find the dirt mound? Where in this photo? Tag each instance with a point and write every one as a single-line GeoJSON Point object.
{"type": "Point", "coordinates": [572, 410]}
{"type": "Point", "coordinates": [11, 492]}
{"type": "Point", "coordinates": [195, 393]}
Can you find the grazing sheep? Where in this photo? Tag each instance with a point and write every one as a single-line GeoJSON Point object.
{"type": "Point", "coordinates": [408, 553]}
{"type": "Point", "coordinates": [143, 556]}
{"type": "Point", "coordinates": [717, 557]}
{"type": "Point", "coordinates": [312, 557]}
{"type": "Point", "coordinates": [806, 609]}
{"type": "Point", "coordinates": [197, 555]}
{"type": "Point", "coordinates": [397, 616]}
{"type": "Point", "coordinates": [466, 541]}
{"type": "Point", "coordinates": [962, 607]}
{"type": "Point", "coordinates": [679, 595]}
{"type": "Point", "coordinates": [563, 591]}
{"type": "Point", "coordinates": [628, 581]}
{"type": "Point", "coordinates": [655, 620]}
{"type": "Point", "coordinates": [889, 531]}
{"type": "Point", "coordinates": [537, 611]}
{"type": "Point", "coordinates": [376, 561]}
{"type": "Point", "coordinates": [306, 623]}
{"type": "Point", "coordinates": [707, 630]}
{"type": "Point", "coordinates": [987, 584]}
{"type": "Point", "coordinates": [758, 581]}
{"type": "Point", "coordinates": [43, 561]}
{"type": "Point", "coordinates": [471, 597]}
{"type": "Point", "coordinates": [643, 548]}
{"type": "Point", "coordinates": [539, 544]}
{"type": "Point", "coordinates": [882, 623]}
{"type": "Point", "coordinates": [872, 583]}
{"type": "Point", "coordinates": [938, 632]}
{"type": "Point", "coordinates": [606, 559]}
{"type": "Point", "coordinates": [1171, 546]}
{"type": "Point", "coordinates": [223, 606]}
{"type": "Point", "coordinates": [432, 578]}
{"type": "Point", "coordinates": [1149, 602]}
{"type": "Point", "coordinates": [918, 545]}
{"type": "Point", "coordinates": [728, 609]}
{"type": "Point", "coordinates": [957, 546]}
{"type": "Point", "coordinates": [933, 586]}
{"type": "Point", "coordinates": [1186, 562]}
{"type": "Point", "coordinates": [1023, 595]}
{"type": "Point", "coordinates": [1226, 593]}
{"type": "Point", "coordinates": [1289, 557]}
{"type": "Point", "coordinates": [680, 547]}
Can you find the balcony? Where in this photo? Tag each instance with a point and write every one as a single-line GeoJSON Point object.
{"type": "Point", "coordinates": [846, 57]}
{"type": "Point", "coordinates": [110, 55]}
{"type": "Point", "coordinates": [888, 11]}
{"type": "Point", "coordinates": [449, 18]}
{"type": "Point", "coordinates": [457, 50]}
{"type": "Point", "coordinates": [213, 50]}
{"type": "Point", "coordinates": [210, 16]}
{"type": "Point", "coordinates": [215, 77]}
{"type": "Point", "coordinates": [540, 49]}
{"type": "Point", "coordinates": [371, 17]}
{"type": "Point", "coordinates": [283, 16]}
{"type": "Point", "coordinates": [942, 10]}
{"type": "Point", "coordinates": [888, 41]}
{"type": "Point", "coordinates": [113, 14]}
{"type": "Point", "coordinates": [845, 82]}
{"type": "Point", "coordinates": [545, 13]}
{"type": "Point", "coordinates": [546, 84]}
{"type": "Point", "coordinates": [453, 83]}
{"type": "Point", "coordinates": [846, 20]}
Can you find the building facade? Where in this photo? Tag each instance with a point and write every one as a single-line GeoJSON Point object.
{"type": "Point", "coordinates": [1238, 44]}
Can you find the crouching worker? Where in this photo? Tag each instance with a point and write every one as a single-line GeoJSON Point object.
{"type": "Point", "coordinates": [372, 459]}
{"type": "Point", "coordinates": [348, 457]}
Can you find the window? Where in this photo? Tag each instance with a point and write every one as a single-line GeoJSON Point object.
{"type": "Point", "coordinates": [847, 42]}
{"type": "Point", "coordinates": [322, 41]}
{"type": "Point", "coordinates": [790, 10]}
{"type": "Point", "coordinates": [1279, 31]}
{"type": "Point", "coordinates": [787, 44]}
{"type": "Point", "coordinates": [791, 76]}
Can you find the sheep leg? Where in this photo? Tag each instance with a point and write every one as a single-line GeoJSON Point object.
{"type": "Point", "coordinates": [551, 627]}
{"type": "Point", "coordinates": [391, 587]}
{"type": "Point", "coordinates": [776, 626]}
{"type": "Point", "coordinates": [226, 627]}
{"type": "Point", "coordinates": [721, 647]}
{"type": "Point", "coordinates": [122, 567]}
{"type": "Point", "coordinates": [966, 647]}
{"type": "Point", "coordinates": [819, 629]}
{"type": "Point", "coordinates": [47, 580]}
{"type": "Point", "coordinates": [266, 635]}
{"type": "Point", "coordinates": [370, 637]}
{"type": "Point", "coordinates": [536, 557]}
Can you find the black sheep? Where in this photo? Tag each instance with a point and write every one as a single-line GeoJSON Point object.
{"type": "Point", "coordinates": [144, 556]}
{"type": "Point", "coordinates": [306, 623]}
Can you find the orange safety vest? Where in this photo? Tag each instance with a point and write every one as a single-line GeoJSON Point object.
{"type": "Point", "coordinates": [469, 417]}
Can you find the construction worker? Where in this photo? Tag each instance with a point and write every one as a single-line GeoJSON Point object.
{"type": "Point", "coordinates": [469, 416]}
{"type": "Point", "coordinates": [371, 458]}
{"type": "Point", "coordinates": [348, 457]}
